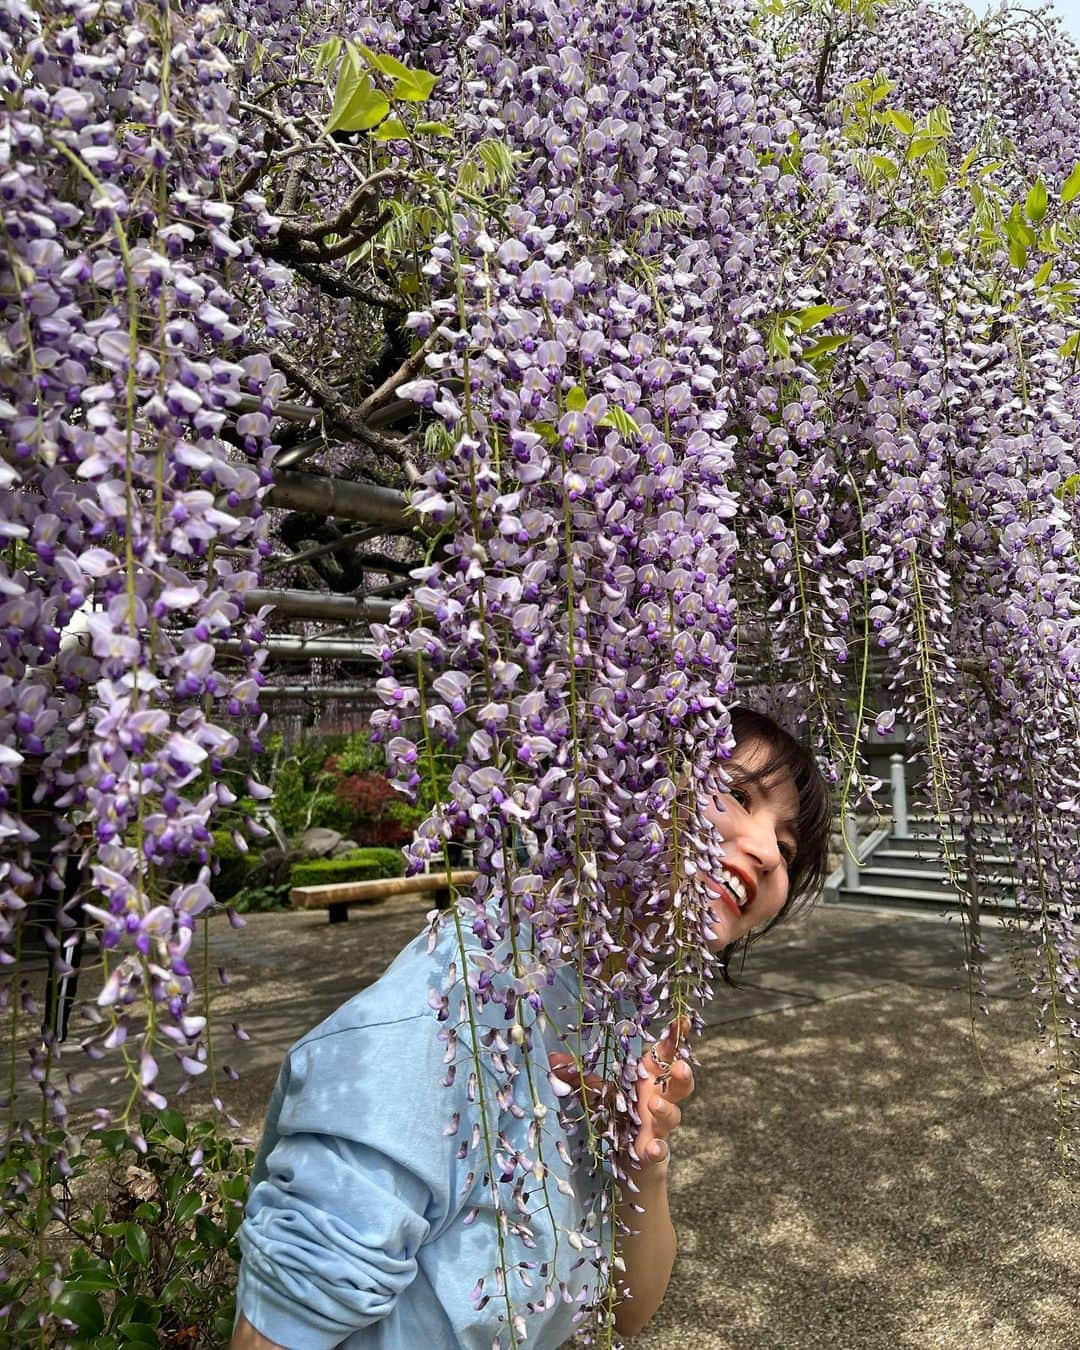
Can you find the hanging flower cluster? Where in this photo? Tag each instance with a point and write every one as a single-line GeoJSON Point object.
{"type": "Point", "coordinates": [749, 372]}
{"type": "Point", "coordinates": [130, 512]}
{"type": "Point", "coordinates": [730, 365]}
{"type": "Point", "coordinates": [990, 329]}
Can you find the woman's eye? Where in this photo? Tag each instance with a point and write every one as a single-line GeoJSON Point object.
{"type": "Point", "coordinates": [740, 795]}
{"type": "Point", "coordinates": [787, 852]}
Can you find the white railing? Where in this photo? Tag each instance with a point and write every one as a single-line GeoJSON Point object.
{"type": "Point", "coordinates": [848, 873]}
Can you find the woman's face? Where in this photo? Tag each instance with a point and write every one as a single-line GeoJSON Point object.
{"type": "Point", "coordinates": [757, 824]}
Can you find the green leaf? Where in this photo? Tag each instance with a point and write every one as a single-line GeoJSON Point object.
{"type": "Point", "coordinates": [173, 1123]}
{"type": "Point", "coordinates": [393, 129]}
{"type": "Point", "coordinates": [546, 430]}
{"type": "Point", "coordinates": [209, 1233]}
{"type": "Point", "coordinates": [778, 344]}
{"type": "Point", "coordinates": [498, 161]}
{"type": "Point", "coordinates": [1071, 484]}
{"type": "Point", "coordinates": [1017, 228]}
{"type": "Point", "coordinates": [1071, 187]}
{"type": "Point", "coordinates": [139, 1334]}
{"type": "Point", "coordinates": [621, 420]}
{"type": "Point", "coordinates": [326, 54]}
{"type": "Point", "coordinates": [886, 165]}
{"type": "Point", "coordinates": [188, 1207]}
{"type": "Point", "coordinates": [1042, 276]}
{"type": "Point", "coordinates": [358, 105]}
{"type": "Point", "coordinates": [576, 399]}
{"type": "Point", "coordinates": [814, 314]}
{"type": "Point", "coordinates": [900, 120]}
{"type": "Point", "coordinates": [147, 1212]}
{"type": "Point", "coordinates": [1018, 253]}
{"type": "Point", "coordinates": [1035, 204]}
{"type": "Point", "coordinates": [433, 129]}
{"type": "Point", "coordinates": [384, 63]}
{"type": "Point", "coordinates": [935, 175]}
{"type": "Point", "coordinates": [1069, 346]}
{"type": "Point", "coordinates": [82, 1308]}
{"type": "Point", "coordinates": [113, 1142]}
{"type": "Point", "coordinates": [415, 87]}
{"type": "Point", "coordinates": [137, 1244]}
{"type": "Point", "coordinates": [89, 1280]}
{"type": "Point", "coordinates": [920, 146]}
{"type": "Point", "coordinates": [937, 122]}
{"type": "Point", "coordinates": [825, 344]}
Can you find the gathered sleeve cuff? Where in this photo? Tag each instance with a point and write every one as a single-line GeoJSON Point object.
{"type": "Point", "coordinates": [347, 1191]}
{"type": "Point", "coordinates": [329, 1243]}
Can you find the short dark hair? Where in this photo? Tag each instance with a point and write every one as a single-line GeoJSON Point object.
{"type": "Point", "coordinates": [806, 875]}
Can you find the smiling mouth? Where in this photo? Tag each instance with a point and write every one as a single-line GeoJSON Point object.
{"type": "Point", "coordinates": [721, 889]}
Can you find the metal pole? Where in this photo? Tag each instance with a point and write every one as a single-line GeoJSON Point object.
{"type": "Point", "coordinates": [325, 496]}
{"type": "Point", "coordinates": [303, 649]}
{"type": "Point", "coordinates": [324, 691]}
{"type": "Point", "coordinates": [899, 796]}
{"type": "Point", "coordinates": [851, 851]}
{"type": "Point", "coordinates": [318, 605]}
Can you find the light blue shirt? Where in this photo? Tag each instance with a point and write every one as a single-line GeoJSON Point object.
{"type": "Point", "coordinates": [360, 1228]}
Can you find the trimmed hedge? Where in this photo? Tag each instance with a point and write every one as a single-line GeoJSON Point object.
{"type": "Point", "coordinates": [365, 864]}
{"type": "Point", "coordinates": [233, 866]}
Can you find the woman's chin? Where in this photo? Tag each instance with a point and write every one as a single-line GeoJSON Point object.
{"type": "Point", "coordinates": [724, 927]}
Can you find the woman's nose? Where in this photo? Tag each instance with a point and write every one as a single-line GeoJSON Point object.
{"type": "Point", "coordinates": [760, 843]}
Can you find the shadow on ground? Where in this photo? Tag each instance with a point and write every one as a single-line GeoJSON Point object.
{"type": "Point", "coordinates": [849, 1175]}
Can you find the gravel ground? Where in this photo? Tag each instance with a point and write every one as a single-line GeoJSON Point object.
{"type": "Point", "coordinates": [850, 1174]}
{"type": "Point", "coordinates": [848, 1178]}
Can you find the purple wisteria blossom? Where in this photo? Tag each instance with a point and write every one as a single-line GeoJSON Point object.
{"type": "Point", "coordinates": [126, 287]}
{"type": "Point", "coordinates": [750, 375]}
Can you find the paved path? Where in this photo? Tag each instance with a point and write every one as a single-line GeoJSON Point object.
{"type": "Point", "coordinates": [847, 1177]}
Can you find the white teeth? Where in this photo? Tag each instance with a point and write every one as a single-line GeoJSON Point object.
{"type": "Point", "coordinates": [736, 884]}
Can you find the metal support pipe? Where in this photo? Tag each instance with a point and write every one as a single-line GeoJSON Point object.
{"type": "Point", "coordinates": [317, 605]}
{"type": "Point", "coordinates": [303, 649]}
{"type": "Point", "coordinates": [325, 496]}
{"type": "Point", "coordinates": [319, 691]}
{"type": "Point", "coordinates": [899, 796]}
{"type": "Point", "coordinates": [851, 851]}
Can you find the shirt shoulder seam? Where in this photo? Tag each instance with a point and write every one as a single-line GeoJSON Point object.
{"type": "Point", "coordinates": [313, 1036]}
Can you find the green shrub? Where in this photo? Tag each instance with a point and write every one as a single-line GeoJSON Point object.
{"type": "Point", "coordinates": [266, 898]}
{"type": "Point", "coordinates": [366, 864]}
{"type": "Point", "coordinates": [290, 800]}
{"type": "Point", "coordinates": [233, 865]}
{"type": "Point", "coordinates": [150, 1250]}
{"type": "Point", "coordinates": [331, 814]}
{"type": "Point", "coordinates": [304, 796]}
{"type": "Point", "coordinates": [360, 754]}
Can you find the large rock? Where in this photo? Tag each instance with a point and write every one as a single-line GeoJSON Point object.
{"type": "Point", "coordinates": [318, 842]}
{"type": "Point", "coordinates": [273, 867]}
{"type": "Point", "coordinates": [344, 846]}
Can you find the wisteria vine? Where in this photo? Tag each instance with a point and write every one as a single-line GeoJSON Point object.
{"type": "Point", "coordinates": [743, 350]}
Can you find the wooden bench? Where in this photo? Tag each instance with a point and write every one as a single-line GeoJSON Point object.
{"type": "Point", "coordinates": [339, 895]}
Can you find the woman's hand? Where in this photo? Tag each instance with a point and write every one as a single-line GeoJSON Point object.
{"type": "Point", "coordinates": [646, 1247]}
{"type": "Point", "coordinates": [658, 1094]}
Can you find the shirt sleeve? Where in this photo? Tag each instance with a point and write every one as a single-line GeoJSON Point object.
{"type": "Point", "coordinates": [355, 1180]}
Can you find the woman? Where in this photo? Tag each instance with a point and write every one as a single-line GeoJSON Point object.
{"type": "Point", "coordinates": [362, 1222]}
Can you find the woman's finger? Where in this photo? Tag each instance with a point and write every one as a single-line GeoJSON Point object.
{"type": "Point", "coordinates": [681, 1082]}
{"type": "Point", "coordinates": [666, 1116]}
{"type": "Point", "coordinates": [661, 1056]}
{"type": "Point", "coordinates": [565, 1070]}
